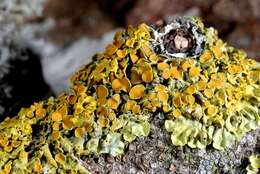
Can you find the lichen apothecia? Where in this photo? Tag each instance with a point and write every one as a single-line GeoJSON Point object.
{"type": "Point", "coordinates": [208, 92]}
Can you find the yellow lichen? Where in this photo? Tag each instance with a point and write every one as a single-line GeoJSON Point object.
{"type": "Point", "coordinates": [79, 132]}
{"type": "Point", "coordinates": [176, 73]}
{"type": "Point", "coordinates": [194, 72]}
{"type": "Point", "coordinates": [162, 66]}
{"type": "Point", "coordinates": [210, 98]}
{"type": "Point", "coordinates": [56, 116]}
{"type": "Point", "coordinates": [37, 167]}
{"type": "Point", "coordinates": [206, 56]}
{"type": "Point", "coordinates": [136, 92]}
{"type": "Point", "coordinates": [60, 158]}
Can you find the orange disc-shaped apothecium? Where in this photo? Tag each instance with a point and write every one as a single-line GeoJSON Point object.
{"type": "Point", "coordinates": [40, 112]}
{"type": "Point", "coordinates": [176, 113]}
{"type": "Point", "coordinates": [162, 65]}
{"type": "Point", "coordinates": [206, 56]}
{"type": "Point", "coordinates": [176, 73]}
{"type": "Point", "coordinates": [79, 132]}
{"type": "Point", "coordinates": [37, 167]}
{"type": "Point", "coordinates": [60, 158]}
{"type": "Point", "coordinates": [194, 72]}
{"type": "Point", "coordinates": [102, 92]}
{"type": "Point", "coordinates": [191, 89]}
{"type": "Point", "coordinates": [56, 116]}
{"type": "Point", "coordinates": [137, 91]}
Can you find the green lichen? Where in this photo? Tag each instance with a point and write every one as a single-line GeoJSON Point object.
{"type": "Point", "coordinates": [254, 166]}
{"type": "Point", "coordinates": [209, 94]}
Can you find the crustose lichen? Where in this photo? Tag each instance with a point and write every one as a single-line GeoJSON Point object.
{"type": "Point", "coordinates": [208, 91]}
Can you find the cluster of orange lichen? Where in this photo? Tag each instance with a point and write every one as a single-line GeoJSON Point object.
{"type": "Point", "coordinates": [207, 98]}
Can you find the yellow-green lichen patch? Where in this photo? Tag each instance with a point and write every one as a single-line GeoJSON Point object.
{"type": "Point", "coordinates": [254, 166]}
{"type": "Point", "coordinates": [211, 97]}
{"type": "Point", "coordinates": [216, 93]}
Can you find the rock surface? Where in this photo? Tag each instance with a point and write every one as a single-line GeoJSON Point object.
{"type": "Point", "coordinates": [155, 154]}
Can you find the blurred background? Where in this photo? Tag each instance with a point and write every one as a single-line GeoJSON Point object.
{"type": "Point", "coordinates": [42, 42]}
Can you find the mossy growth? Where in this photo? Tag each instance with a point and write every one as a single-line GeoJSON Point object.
{"type": "Point", "coordinates": [208, 91]}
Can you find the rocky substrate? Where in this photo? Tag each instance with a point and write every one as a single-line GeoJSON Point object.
{"type": "Point", "coordinates": [156, 154]}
